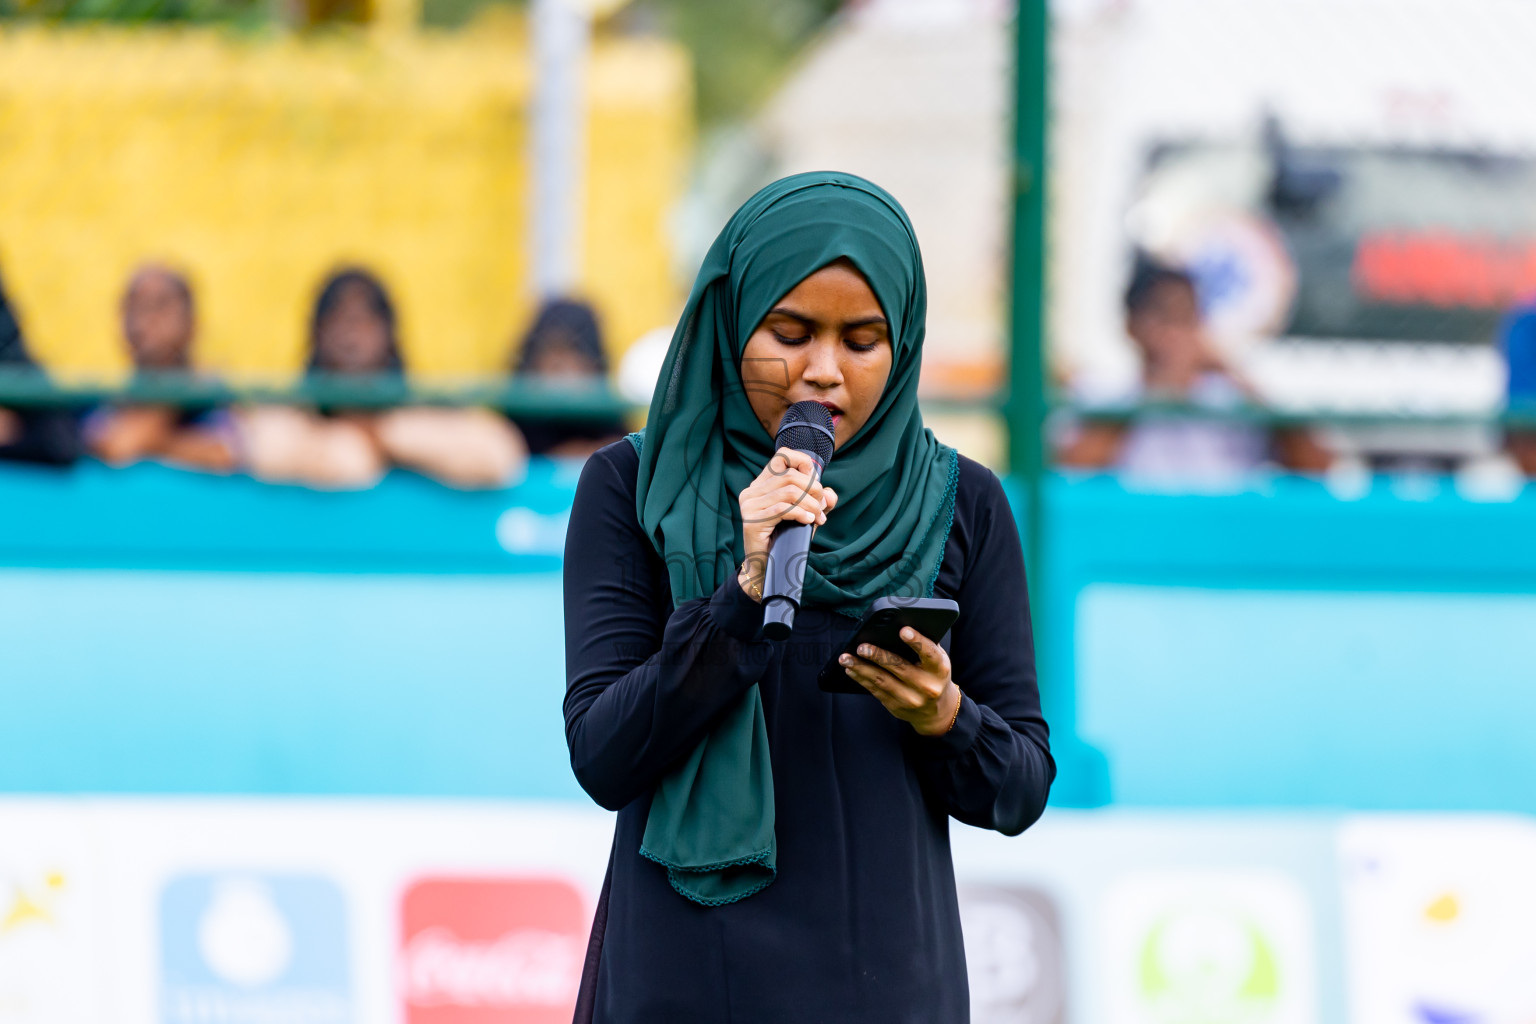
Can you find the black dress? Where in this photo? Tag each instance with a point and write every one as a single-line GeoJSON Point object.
{"type": "Point", "coordinates": [861, 926]}
{"type": "Point", "coordinates": [47, 435]}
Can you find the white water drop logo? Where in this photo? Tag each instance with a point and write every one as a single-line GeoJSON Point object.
{"type": "Point", "coordinates": [242, 936]}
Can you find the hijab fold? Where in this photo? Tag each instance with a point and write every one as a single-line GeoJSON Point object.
{"type": "Point", "coordinates": [711, 821]}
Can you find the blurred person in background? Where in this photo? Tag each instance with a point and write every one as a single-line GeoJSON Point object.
{"type": "Point", "coordinates": [565, 345]}
{"type": "Point", "coordinates": [1518, 338]}
{"type": "Point", "coordinates": [1179, 365]}
{"type": "Point", "coordinates": [49, 436]}
{"type": "Point", "coordinates": [160, 327]}
{"type": "Point", "coordinates": [352, 333]}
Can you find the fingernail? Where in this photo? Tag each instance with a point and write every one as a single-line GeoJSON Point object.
{"type": "Point", "coordinates": [844, 659]}
{"type": "Point", "coordinates": [907, 634]}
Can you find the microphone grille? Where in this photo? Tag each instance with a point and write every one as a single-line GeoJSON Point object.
{"type": "Point", "coordinates": [807, 427]}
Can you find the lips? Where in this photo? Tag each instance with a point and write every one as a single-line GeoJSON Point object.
{"type": "Point", "coordinates": [837, 413]}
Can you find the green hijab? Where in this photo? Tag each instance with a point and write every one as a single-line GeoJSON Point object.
{"type": "Point", "coordinates": [711, 819]}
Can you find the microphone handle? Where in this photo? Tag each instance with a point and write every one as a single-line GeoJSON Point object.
{"type": "Point", "coordinates": [788, 551]}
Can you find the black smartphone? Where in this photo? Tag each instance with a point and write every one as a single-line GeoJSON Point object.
{"type": "Point", "coordinates": [882, 626]}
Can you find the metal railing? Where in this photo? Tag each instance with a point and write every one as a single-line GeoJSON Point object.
{"type": "Point", "coordinates": [30, 388]}
{"type": "Point", "coordinates": [22, 387]}
{"type": "Point", "coordinates": [1520, 416]}
{"type": "Point", "coordinates": [562, 399]}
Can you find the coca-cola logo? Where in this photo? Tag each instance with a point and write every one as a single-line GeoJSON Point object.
{"type": "Point", "coordinates": [491, 951]}
{"type": "Point", "coordinates": [520, 968]}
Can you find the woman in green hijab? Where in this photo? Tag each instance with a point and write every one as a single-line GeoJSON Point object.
{"type": "Point", "coordinates": [782, 854]}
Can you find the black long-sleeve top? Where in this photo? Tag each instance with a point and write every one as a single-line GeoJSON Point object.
{"type": "Point", "coordinates": [861, 925]}
{"type": "Point", "coordinates": [46, 435]}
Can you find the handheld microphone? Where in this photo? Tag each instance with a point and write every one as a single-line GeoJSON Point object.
{"type": "Point", "coordinates": [806, 427]}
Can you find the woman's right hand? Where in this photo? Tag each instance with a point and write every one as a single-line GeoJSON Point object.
{"type": "Point", "coordinates": [786, 489]}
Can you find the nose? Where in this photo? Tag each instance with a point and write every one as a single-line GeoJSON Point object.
{"type": "Point", "coordinates": [821, 365]}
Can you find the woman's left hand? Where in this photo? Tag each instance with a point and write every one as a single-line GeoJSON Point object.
{"type": "Point", "coordinates": [922, 694]}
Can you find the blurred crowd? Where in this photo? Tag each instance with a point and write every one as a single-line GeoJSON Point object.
{"type": "Point", "coordinates": [1192, 416]}
{"type": "Point", "coordinates": [352, 334]}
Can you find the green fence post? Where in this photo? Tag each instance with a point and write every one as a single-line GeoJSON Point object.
{"type": "Point", "coordinates": [1025, 410]}
{"type": "Point", "coordinates": [1083, 777]}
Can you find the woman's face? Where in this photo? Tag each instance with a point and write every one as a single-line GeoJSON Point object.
{"type": "Point", "coordinates": [826, 341]}
{"type": "Point", "coordinates": [353, 338]}
{"type": "Point", "coordinates": [157, 321]}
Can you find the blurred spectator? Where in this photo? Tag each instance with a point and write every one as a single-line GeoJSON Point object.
{"type": "Point", "coordinates": [352, 327]}
{"type": "Point", "coordinates": [565, 345]}
{"type": "Point", "coordinates": [1518, 335]}
{"type": "Point", "coordinates": [38, 435]}
{"type": "Point", "coordinates": [352, 333]}
{"type": "Point", "coordinates": [1179, 366]}
{"type": "Point", "coordinates": [160, 326]}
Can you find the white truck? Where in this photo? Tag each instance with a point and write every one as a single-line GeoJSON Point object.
{"type": "Point", "coordinates": [1352, 182]}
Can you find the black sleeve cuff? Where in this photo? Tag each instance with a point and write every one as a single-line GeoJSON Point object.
{"type": "Point", "coordinates": [735, 612]}
{"type": "Point", "coordinates": [959, 739]}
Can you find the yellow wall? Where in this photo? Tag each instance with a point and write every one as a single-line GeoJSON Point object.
{"type": "Point", "coordinates": [258, 165]}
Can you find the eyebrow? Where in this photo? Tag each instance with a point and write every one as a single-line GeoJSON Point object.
{"type": "Point", "coordinates": [863, 321]}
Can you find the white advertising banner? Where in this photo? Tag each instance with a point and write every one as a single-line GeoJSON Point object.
{"type": "Point", "coordinates": [294, 911]}
{"type": "Point", "coordinates": [1440, 914]}
{"type": "Point", "coordinates": [50, 914]}
{"type": "Point", "coordinates": [333, 911]}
